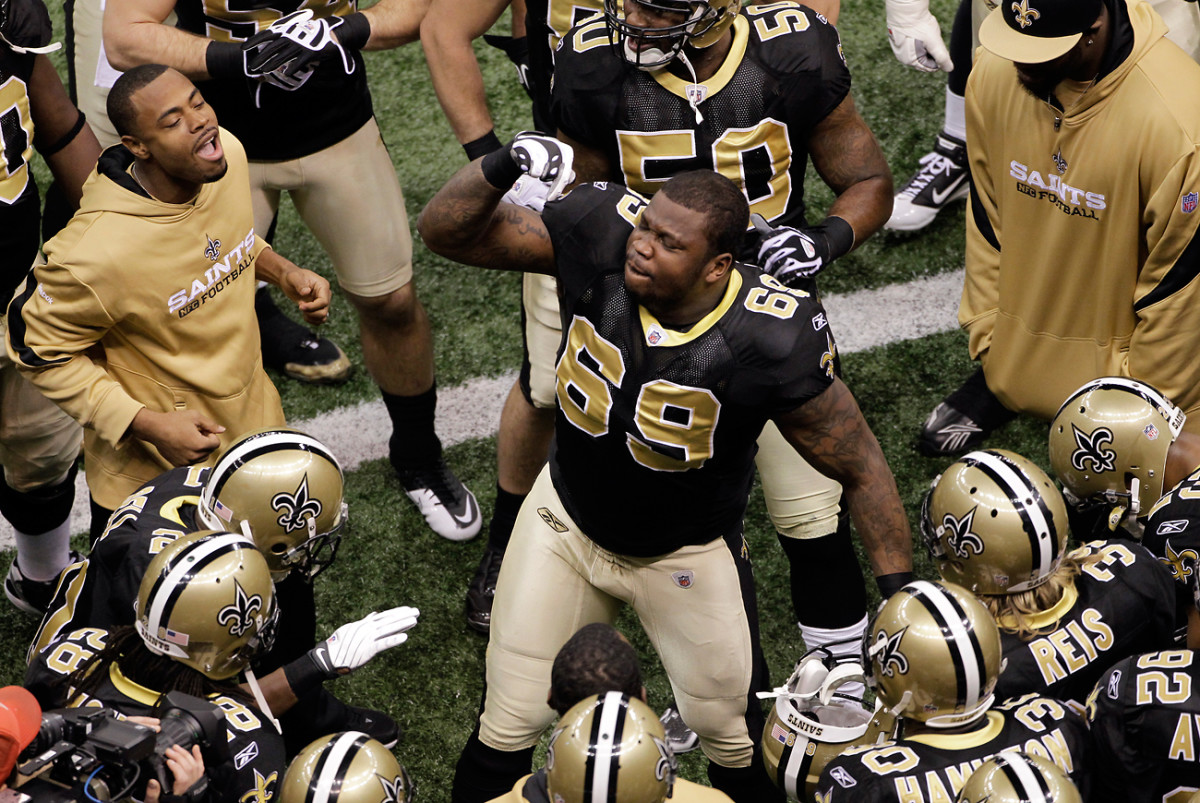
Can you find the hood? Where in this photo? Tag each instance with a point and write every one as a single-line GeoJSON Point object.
{"type": "Point", "coordinates": [110, 188]}
{"type": "Point", "coordinates": [1136, 29]}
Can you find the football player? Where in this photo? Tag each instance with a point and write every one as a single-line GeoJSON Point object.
{"type": "Point", "coordinates": [1116, 445]}
{"type": "Point", "coordinates": [996, 525]}
{"type": "Point", "coordinates": [933, 654]}
{"type": "Point", "coordinates": [1018, 778]}
{"type": "Point", "coordinates": [282, 489]}
{"type": "Point", "coordinates": [38, 441]}
{"type": "Point", "coordinates": [346, 767]}
{"type": "Point", "coordinates": [609, 748]}
{"type": "Point", "coordinates": [195, 631]}
{"type": "Point", "coordinates": [674, 358]}
{"type": "Point", "coordinates": [753, 94]}
{"type": "Point", "coordinates": [1144, 715]}
{"type": "Point", "coordinates": [311, 133]}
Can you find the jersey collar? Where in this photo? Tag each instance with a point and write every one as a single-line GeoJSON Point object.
{"type": "Point", "coordinates": [134, 691]}
{"type": "Point", "coordinates": [655, 334]}
{"type": "Point", "coordinates": [960, 741]}
{"type": "Point", "coordinates": [737, 51]}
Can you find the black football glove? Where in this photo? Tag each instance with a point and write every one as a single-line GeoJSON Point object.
{"type": "Point", "coordinates": [286, 52]}
{"type": "Point", "coordinates": [517, 51]}
{"type": "Point", "coordinates": [795, 255]}
{"type": "Point", "coordinates": [532, 154]}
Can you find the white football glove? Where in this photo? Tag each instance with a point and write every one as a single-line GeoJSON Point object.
{"type": "Point", "coordinates": [286, 52]}
{"type": "Point", "coordinates": [545, 159]}
{"type": "Point", "coordinates": [353, 644]}
{"type": "Point", "coordinates": [529, 193]}
{"type": "Point", "coordinates": [915, 36]}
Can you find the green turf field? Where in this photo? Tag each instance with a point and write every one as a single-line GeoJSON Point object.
{"type": "Point", "coordinates": [432, 683]}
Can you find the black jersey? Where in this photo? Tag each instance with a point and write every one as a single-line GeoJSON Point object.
{"type": "Point", "coordinates": [1172, 534]}
{"type": "Point", "coordinates": [656, 428]}
{"type": "Point", "coordinates": [272, 123]}
{"type": "Point", "coordinates": [783, 75]}
{"type": "Point", "coordinates": [932, 767]}
{"type": "Point", "coordinates": [26, 25]}
{"type": "Point", "coordinates": [1145, 721]}
{"type": "Point", "coordinates": [255, 747]}
{"type": "Point", "coordinates": [1122, 605]}
{"type": "Point", "coordinates": [546, 23]}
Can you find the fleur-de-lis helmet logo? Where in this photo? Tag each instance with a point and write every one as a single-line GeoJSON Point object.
{"type": "Point", "coordinates": [961, 540]}
{"type": "Point", "coordinates": [295, 507]}
{"type": "Point", "coordinates": [887, 649]}
{"type": "Point", "coordinates": [239, 616]}
{"type": "Point", "coordinates": [667, 766]}
{"type": "Point", "coordinates": [393, 790]}
{"type": "Point", "coordinates": [1025, 14]}
{"type": "Point", "coordinates": [1090, 449]}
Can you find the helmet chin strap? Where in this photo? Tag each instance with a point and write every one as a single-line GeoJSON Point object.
{"type": "Point", "coordinates": [256, 690]}
{"type": "Point", "coordinates": [694, 90]}
{"type": "Point", "coordinates": [50, 48]}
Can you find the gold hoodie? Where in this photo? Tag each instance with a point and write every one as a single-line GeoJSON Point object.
{"type": "Point", "coordinates": [1081, 251]}
{"type": "Point", "coordinates": [147, 304]}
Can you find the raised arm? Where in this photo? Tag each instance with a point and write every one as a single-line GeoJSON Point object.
{"type": "Point", "coordinates": [134, 34]}
{"type": "Point", "coordinates": [831, 433]}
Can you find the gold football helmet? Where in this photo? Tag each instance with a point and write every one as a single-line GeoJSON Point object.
{"type": "Point", "coordinates": [932, 654]}
{"type": "Point", "coordinates": [609, 748]}
{"type": "Point", "coordinates": [995, 523]}
{"type": "Point", "coordinates": [348, 767]}
{"type": "Point", "coordinates": [1018, 778]}
{"type": "Point", "coordinates": [283, 489]}
{"type": "Point", "coordinates": [207, 601]}
{"type": "Point", "coordinates": [701, 23]}
{"type": "Point", "coordinates": [810, 724]}
{"type": "Point", "coordinates": [1109, 444]}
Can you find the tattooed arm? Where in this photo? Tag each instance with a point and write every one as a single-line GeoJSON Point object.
{"type": "Point", "coordinates": [831, 433]}
{"type": "Point", "coordinates": [465, 221]}
{"type": "Point", "coordinates": [846, 154]}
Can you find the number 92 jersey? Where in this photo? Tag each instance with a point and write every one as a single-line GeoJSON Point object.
{"type": "Point", "coordinates": [656, 428]}
{"type": "Point", "coordinates": [783, 75]}
{"type": "Point", "coordinates": [1145, 720]}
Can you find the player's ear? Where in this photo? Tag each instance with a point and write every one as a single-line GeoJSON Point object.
{"type": "Point", "coordinates": [718, 267]}
{"type": "Point", "coordinates": [135, 146]}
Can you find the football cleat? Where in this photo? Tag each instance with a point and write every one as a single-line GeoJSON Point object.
{"type": "Point", "coordinates": [449, 508]}
{"type": "Point", "coordinates": [681, 738]}
{"type": "Point", "coordinates": [483, 589]}
{"type": "Point", "coordinates": [32, 596]}
{"type": "Point", "coordinates": [941, 180]}
{"type": "Point", "coordinates": [294, 350]}
{"type": "Point", "coordinates": [376, 724]}
{"type": "Point", "coordinates": [962, 421]}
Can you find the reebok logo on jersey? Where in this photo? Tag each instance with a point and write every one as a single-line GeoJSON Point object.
{"type": "Point", "coordinates": [41, 292]}
{"type": "Point", "coordinates": [1114, 684]}
{"type": "Point", "coordinates": [248, 754]}
{"type": "Point", "coordinates": [843, 778]}
{"type": "Point", "coordinates": [819, 321]}
{"type": "Point", "coordinates": [215, 279]}
{"type": "Point", "coordinates": [552, 521]}
{"type": "Point", "coordinates": [1173, 526]}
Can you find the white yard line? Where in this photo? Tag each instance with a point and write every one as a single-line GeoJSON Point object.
{"type": "Point", "coordinates": [860, 321]}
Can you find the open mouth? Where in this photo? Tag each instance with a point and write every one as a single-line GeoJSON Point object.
{"type": "Point", "coordinates": [209, 147]}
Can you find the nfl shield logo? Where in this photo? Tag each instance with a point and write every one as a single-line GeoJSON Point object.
{"type": "Point", "coordinates": [1188, 204]}
{"type": "Point", "coordinates": [683, 579]}
{"type": "Point", "coordinates": [1151, 432]}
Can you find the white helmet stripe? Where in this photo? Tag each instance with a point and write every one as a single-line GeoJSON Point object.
{"type": "Point", "coordinates": [1174, 415]}
{"type": "Point", "coordinates": [267, 440]}
{"type": "Point", "coordinates": [330, 770]}
{"type": "Point", "coordinates": [604, 743]}
{"type": "Point", "coordinates": [1026, 780]}
{"type": "Point", "coordinates": [959, 640]}
{"type": "Point", "coordinates": [195, 555]}
{"type": "Point", "coordinates": [795, 772]}
{"type": "Point", "coordinates": [1026, 498]}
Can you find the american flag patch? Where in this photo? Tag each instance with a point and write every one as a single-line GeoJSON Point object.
{"type": "Point", "coordinates": [779, 733]}
{"type": "Point", "coordinates": [222, 511]}
{"type": "Point", "coordinates": [174, 637]}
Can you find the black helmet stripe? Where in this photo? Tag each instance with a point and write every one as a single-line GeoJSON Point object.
{"type": "Point", "coordinates": [970, 672]}
{"type": "Point", "coordinates": [331, 767]}
{"type": "Point", "coordinates": [1036, 520]}
{"type": "Point", "coordinates": [179, 574]}
{"type": "Point", "coordinates": [1026, 779]}
{"type": "Point", "coordinates": [257, 446]}
{"type": "Point", "coordinates": [604, 752]}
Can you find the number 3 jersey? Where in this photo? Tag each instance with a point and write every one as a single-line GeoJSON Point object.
{"type": "Point", "coordinates": [931, 767]}
{"type": "Point", "coordinates": [656, 428]}
{"type": "Point", "coordinates": [783, 75]}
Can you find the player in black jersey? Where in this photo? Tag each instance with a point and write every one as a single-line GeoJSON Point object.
{"type": "Point", "coordinates": [313, 134]}
{"type": "Point", "coordinates": [674, 358]}
{"type": "Point", "coordinates": [1145, 722]}
{"type": "Point", "coordinates": [38, 441]}
{"type": "Point", "coordinates": [934, 656]}
{"type": "Point", "coordinates": [284, 489]}
{"type": "Point", "coordinates": [1118, 445]}
{"type": "Point", "coordinates": [997, 525]}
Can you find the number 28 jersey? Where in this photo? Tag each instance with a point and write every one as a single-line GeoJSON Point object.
{"type": "Point", "coordinates": [783, 75]}
{"type": "Point", "coordinates": [656, 428]}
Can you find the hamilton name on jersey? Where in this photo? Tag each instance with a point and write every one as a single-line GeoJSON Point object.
{"type": "Point", "coordinates": [651, 420]}
{"type": "Point", "coordinates": [932, 767]}
{"type": "Point", "coordinates": [1120, 605]}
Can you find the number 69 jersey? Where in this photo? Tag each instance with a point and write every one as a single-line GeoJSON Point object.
{"type": "Point", "coordinates": [1145, 719]}
{"type": "Point", "coordinates": [656, 428]}
{"type": "Point", "coordinates": [932, 767]}
{"type": "Point", "coordinates": [783, 75]}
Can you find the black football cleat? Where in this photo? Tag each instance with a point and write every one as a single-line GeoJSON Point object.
{"type": "Point", "coordinates": [482, 590]}
{"type": "Point", "coordinates": [964, 420]}
{"type": "Point", "coordinates": [294, 350]}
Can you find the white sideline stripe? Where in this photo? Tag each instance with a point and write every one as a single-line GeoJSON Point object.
{"type": "Point", "coordinates": [861, 320]}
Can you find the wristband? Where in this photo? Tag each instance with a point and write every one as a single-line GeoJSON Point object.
{"type": "Point", "coordinates": [500, 169]}
{"type": "Point", "coordinates": [483, 146]}
{"type": "Point", "coordinates": [224, 60]}
{"type": "Point", "coordinates": [65, 139]}
{"type": "Point", "coordinates": [354, 31]}
{"type": "Point", "coordinates": [303, 675]}
{"type": "Point", "coordinates": [839, 236]}
{"type": "Point", "coordinates": [889, 584]}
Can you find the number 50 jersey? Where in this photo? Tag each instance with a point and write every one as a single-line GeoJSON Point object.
{"type": "Point", "coordinates": [656, 428]}
{"type": "Point", "coordinates": [784, 74]}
